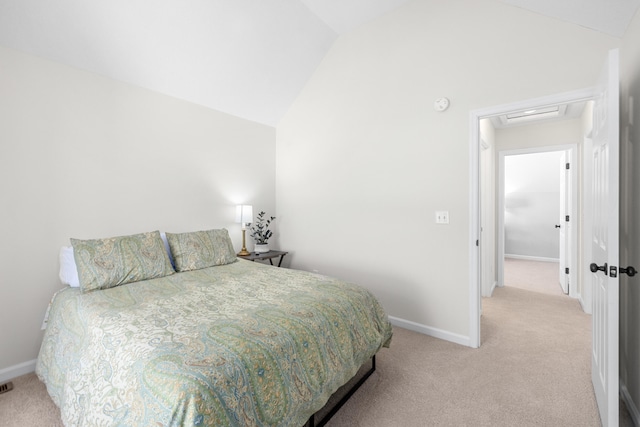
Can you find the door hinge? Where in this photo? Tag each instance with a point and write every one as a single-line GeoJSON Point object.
{"type": "Point", "coordinates": [477, 242]}
{"type": "Point", "coordinates": [566, 218]}
{"type": "Point", "coordinates": [568, 166]}
{"type": "Point", "coordinates": [566, 270]}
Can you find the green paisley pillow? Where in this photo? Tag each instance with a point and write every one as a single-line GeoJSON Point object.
{"type": "Point", "coordinates": [201, 249]}
{"type": "Point", "coordinates": [105, 263]}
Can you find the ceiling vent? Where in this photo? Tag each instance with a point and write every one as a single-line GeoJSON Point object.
{"type": "Point", "coordinates": [533, 115]}
{"type": "Point", "coordinates": [539, 115]}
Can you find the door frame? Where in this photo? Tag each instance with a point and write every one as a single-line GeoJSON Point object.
{"type": "Point", "coordinates": [573, 160]}
{"type": "Point", "coordinates": [475, 300]}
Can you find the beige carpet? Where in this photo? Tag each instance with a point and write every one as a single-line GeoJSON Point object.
{"type": "Point", "coordinates": [537, 276]}
{"type": "Point", "coordinates": [533, 369]}
{"type": "Point", "coordinates": [28, 404]}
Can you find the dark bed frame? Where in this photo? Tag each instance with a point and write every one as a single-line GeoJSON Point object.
{"type": "Point", "coordinates": [343, 400]}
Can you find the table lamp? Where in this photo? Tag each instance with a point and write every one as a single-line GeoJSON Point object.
{"type": "Point", "coordinates": [244, 215]}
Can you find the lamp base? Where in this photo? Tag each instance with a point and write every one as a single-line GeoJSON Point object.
{"type": "Point", "coordinates": [243, 251]}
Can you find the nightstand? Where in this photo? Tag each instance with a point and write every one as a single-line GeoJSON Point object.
{"type": "Point", "coordinates": [265, 255]}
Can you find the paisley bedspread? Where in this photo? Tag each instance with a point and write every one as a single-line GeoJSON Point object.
{"type": "Point", "coordinates": [241, 344]}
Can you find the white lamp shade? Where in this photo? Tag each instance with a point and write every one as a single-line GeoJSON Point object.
{"type": "Point", "coordinates": [244, 214]}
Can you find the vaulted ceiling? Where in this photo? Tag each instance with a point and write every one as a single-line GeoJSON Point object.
{"type": "Point", "coordinates": [249, 58]}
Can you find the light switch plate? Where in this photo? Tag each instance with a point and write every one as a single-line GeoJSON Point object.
{"type": "Point", "coordinates": [442, 217]}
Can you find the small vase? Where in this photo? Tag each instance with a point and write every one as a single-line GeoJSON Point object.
{"type": "Point", "coordinates": [260, 248]}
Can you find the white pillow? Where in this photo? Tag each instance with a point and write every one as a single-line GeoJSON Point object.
{"type": "Point", "coordinates": [68, 270]}
{"type": "Point", "coordinates": [163, 236]}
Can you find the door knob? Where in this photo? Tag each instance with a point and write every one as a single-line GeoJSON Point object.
{"type": "Point", "coordinates": [557, 225]}
{"type": "Point", "coordinates": [595, 268]}
{"type": "Point", "coordinates": [629, 271]}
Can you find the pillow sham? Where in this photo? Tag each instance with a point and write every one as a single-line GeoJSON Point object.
{"type": "Point", "coordinates": [68, 271]}
{"type": "Point", "coordinates": [201, 249]}
{"type": "Point", "coordinates": [105, 263]}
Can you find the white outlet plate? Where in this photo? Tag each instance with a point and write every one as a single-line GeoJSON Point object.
{"type": "Point", "coordinates": [442, 217]}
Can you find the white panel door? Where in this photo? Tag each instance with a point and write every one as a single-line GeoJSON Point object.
{"type": "Point", "coordinates": [604, 235]}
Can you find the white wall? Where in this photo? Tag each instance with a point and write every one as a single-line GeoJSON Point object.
{"type": "Point", "coordinates": [87, 157]}
{"type": "Point", "coordinates": [544, 134]}
{"type": "Point", "coordinates": [532, 205]}
{"type": "Point", "coordinates": [630, 213]}
{"type": "Point", "coordinates": [363, 160]}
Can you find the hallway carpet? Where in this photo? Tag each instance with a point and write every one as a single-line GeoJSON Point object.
{"type": "Point", "coordinates": [537, 276]}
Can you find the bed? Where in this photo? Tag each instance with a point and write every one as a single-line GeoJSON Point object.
{"type": "Point", "coordinates": [233, 343]}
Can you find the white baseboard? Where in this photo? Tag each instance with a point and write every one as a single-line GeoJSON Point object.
{"type": "Point", "coordinates": [584, 307]}
{"type": "Point", "coordinates": [531, 258]}
{"type": "Point", "coordinates": [631, 406]}
{"type": "Point", "coordinates": [14, 371]}
{"type": "Point", "coordinates": [488, 293]}
{"type": "Point", "coordinates": [432, 332]}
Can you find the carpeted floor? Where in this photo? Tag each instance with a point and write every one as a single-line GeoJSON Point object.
{"type": "Point", "coordinates": [533, 369]}
{"type": "Point", "coordinates": [537, 276]}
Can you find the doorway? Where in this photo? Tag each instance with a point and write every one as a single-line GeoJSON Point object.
{"type": "Point", "coordinates": [481, 144]}
{"type": "Point", "coordinates": [537, 218]}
